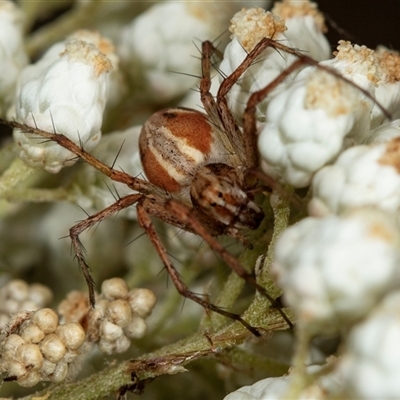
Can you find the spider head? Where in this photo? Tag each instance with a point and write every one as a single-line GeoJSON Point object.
{"type": "Point", "coordinates": [217, 191]}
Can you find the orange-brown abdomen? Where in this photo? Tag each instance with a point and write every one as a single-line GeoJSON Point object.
{"type": "Point", "coordinates": [174, 143]}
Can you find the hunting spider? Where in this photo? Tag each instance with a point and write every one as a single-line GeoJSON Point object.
{"type": "Point", "coordinates": [212, 178]}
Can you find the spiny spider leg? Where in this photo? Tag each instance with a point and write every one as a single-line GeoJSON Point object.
{"type": "Point", "coordinates": [87, 223]}
{"type": "Point", "coordinates": [146, 204]}
{"type": "Point", "coordinates": [184, 214]}
{"type": "Point", "coordinates": [221, 117]}
{"type": "Point", "coordinates": [207, 99]}
{"type": "Point", "coordinates": [249, 118]}
{"type": "Point", "coordinates": [145, 222]}
{"type": "Point", "coordinates": [134, 183]}
{"type": "Point", "coordinates": [245, 142]}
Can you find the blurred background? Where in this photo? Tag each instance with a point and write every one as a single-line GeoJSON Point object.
{"type": "Point", "coordinates": [363, 22]}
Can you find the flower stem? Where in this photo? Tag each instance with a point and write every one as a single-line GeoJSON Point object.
{"type": "Point", "coordinates": [16, 173]}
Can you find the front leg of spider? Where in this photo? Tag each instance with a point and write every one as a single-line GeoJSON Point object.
{"type": "Point", "coordinates": [184, 214]}
{"type": "Point", "coordinates": [87, 223]}
{"type": "Point", "coordinates": [145, 222]}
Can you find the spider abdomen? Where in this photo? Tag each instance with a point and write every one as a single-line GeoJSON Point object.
{"type": "Point", "coordinates": [217, 191]}
{"type": "Point", "coordinates": [174, 143]}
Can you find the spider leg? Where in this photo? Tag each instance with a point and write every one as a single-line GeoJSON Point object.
{"type": "Point", "coordinates": [249, 118]}
{"type": "Point", "coordinates": [207, 99]}
{"type": "Point", "coordinates": [87, 223]}
{"type": "Point", "coordinates": [244, 144]}
{"type": "Point", "coordinates": [184, 214]}
{"type": "Point", "coordinates": [134, 183]}
{"type": "Point", "coordinates": [249, 115]}
{"type": "Point", "coordinates": [265, 42]}
{"type": "Point", "coordinates": [220, 116]}
{"type": "Point", "coordinates": [251, 156]}
{"type": "Point", "coordinates": [145, 222]}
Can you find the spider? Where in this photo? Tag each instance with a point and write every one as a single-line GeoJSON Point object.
{"type": "Point", "coordinates": [213, 176]}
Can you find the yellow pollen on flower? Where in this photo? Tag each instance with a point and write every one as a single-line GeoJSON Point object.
{"type": "Point", "coordinates": [390, 63]}
{"type": "Point", "coordinates": [253, 24]}
{"type": "Point", "coordinates": [359, 59]}
{"type": "Point", "coordinates": [381, 231]}
{"type": "Point", "coordinates": [288, 9]}
{"type": "Point", "coordinates": [94, 37]}
{"type": "Point", "coordinates": [326, 91]}
{"type": "Point", "coordinates": [81, 51]}
{"type": "Point", "coordinates": [392, 154]}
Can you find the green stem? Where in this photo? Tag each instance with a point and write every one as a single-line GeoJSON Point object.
{"type": "Point", "coordinates": [35, 195]}
{"type": "Point", "coordinates": [250, 361]}
{"type": "Point", "coordinates": [299, 377]}
{"type": "Point", "coordinates": [34, 9]}
{"type": "Point", "coordinates": [256, 313]}
{"type": "Point", "coordinates": [168, 360]}
{"type": "Point", "coordinates": [230, 292]}
{"type": "Point", "coordinates": [281, 209]}
{"type": "Point", "coordinates": [16, 173]}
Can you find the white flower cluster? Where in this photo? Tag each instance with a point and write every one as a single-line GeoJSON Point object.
{"type": "Point", "coordinates": [371, 359]}
{"type": "Point", "coordinates": [12, 53]}
{"type": "Point", "coordinates": [276, 388]}
{"type": "Point", "coordinates": [388, 89]}
{"type": "Point", "coordinates": [338, 268]}
{"type": "Point", "coordinates": [335, 269]}
{"type": "Point", "coordinates": [17, 295]}
{"type": "Point", "coordinates": [295, 24]}
{"type": "Point", "coordinates": [365, 175]}
{"type": "Point", "coordinates": [40, 349]}
{"type": "Point", "coordinates": [52, 55]}
{"type": "Point", "coordinates": [311, 122]}
{"type": "Point", "coordinates": [157, 46]}
{"type": "Point", "coordinates": [361, 176]}
{"type": "Point", "coordinates": [306, 127]}
{"type": "Point", "coordinates": [305, 27]}
{"type": "Point", "coordinates": [75, 108]}
{"type": "Point", "coordinates": [119, 315]}
{"type": "Point", "coordinates": [248, 27]}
